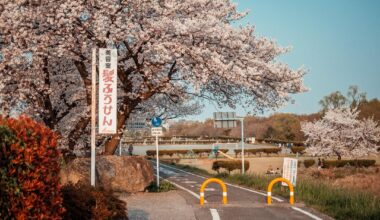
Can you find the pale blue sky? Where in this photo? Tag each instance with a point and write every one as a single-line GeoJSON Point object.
{"type": "Point", "coordinates": [338, 41]}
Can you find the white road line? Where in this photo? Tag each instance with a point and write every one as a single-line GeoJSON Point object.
{"type": "Point", "coordinates": [189, 182]}
{"type": "Point", "coordinates": [275, 198]}
{"type": "Point", "coordinates": [306, 213]}
{"type": "Point", "coordinates": [183, 188]}
{"type": "Point", "coordinates": [214, 214]}
{"type": "Point", "coordinates": [210, 189]}
{"type": "Point", "coordinates": [228, 184]}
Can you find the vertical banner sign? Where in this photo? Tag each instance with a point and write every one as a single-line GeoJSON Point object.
{"type": "Point", "coordinates": [289, 170]}
{"type": "Point", "coordinates": [107, 91]}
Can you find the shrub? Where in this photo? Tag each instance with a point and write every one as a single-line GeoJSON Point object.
{"type": "Point", "coordinates": [86, 202]}
{"type": "Point", "coordinates": [29, 170]}
{"type": "Point", "coordinates": [165, 186]}
{"type": "Point", "coordinates": [258, 150]}
{"type": "Point", "coordinates": [199, 152]}
{"type": "Point", "coordinates": [229, 165]}
{"type": "Point", "coordinates": [308, 163]}
{"type": "Point", "coordinates": [272, 150]}
{"type": "Point", "coordinates": [300, 150]}
{"type": "Point", "coordinates": [342, 163]}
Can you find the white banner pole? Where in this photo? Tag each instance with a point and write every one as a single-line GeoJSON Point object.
{"type": "Point", "coordinates": [93, 116]}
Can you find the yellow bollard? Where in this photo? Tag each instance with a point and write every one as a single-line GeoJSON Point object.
{"type": "Point", "coordinates": [212, 180]}
{"type": "Point", "coordinates": [270, 186]}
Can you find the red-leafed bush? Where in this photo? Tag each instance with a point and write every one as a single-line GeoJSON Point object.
{"type": "Point", "coordinates": [29, 171]}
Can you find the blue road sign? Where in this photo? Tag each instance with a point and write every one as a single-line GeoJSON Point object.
{"type": "Point", "coordinates": [156, 122]}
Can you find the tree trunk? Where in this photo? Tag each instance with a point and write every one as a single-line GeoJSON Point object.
{"type": "Point", "coordinates": [111, 145]}
{"type": "Point", "coordinates": [122, 116]}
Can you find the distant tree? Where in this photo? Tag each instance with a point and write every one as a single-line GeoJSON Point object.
{"type": "Point", "coordinates": [355, 97]}
{"type": "Point", "coordinates": [336, 99]}
{"type": "Point", "coordinates": [333, 101]}
{"type": "Point", "coordinates": [370, 109]}
{"type": "Point", "coordinates": [341, 133]}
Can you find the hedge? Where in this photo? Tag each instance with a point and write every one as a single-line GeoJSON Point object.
{"type": "Point", "coordinates": [229, 165]}
{"type": "Point", "coordinates": [342, 163]}
{"type": "Point", "coordinates": [201, 151]}
{"type": "Point", "coordinates": [308, 163]}
{"type": "Point", "coordinates": [284, 142]}
{"type": "Point", "coordinates": [300, 150]}
{"type": "Point", "coordinates": [29, 170]}
{"type": "Point", "coordinates": [258, 150]}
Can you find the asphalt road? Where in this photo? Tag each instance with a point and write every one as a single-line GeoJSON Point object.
{"type": "Point", "coordinates": [243, 203]}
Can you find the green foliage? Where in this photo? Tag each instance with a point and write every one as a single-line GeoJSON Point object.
{"type": "Point", "coordinates": [354, 163]}
{"type": "Point", "coordinates": [86, 202]}
{"type": "Point", "coordinates": [165, 186]}
{"type": "Point", "coordinates": [229, 165]}
{"type": "Point", "coordinates": [308, 163]}
{"type": "Point", "coordinates": [29, 170]}
{"type": "Point", "coordinates": [300, 150]}
{"type": "Point", "coordinates": [333, 100]}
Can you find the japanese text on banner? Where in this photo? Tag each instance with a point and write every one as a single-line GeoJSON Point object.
{"type": "Point", "coordinates": [107, 91]}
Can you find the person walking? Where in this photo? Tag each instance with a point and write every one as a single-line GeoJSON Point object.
{"type": "Point", "coordinates": [130, 149]}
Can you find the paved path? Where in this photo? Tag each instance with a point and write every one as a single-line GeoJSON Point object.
{"type": "Point", "coordinates": [158, 206]}
{"type": "Point", "coordinates": [242, 204]}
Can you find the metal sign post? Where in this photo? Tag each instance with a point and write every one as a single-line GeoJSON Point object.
{"type": "Point", "coordinates": [157, 131]}
{"type": "Point", "coordinates": [228, 120]}
{"type": "Point", "coordinates": [242, 145]}
{"type": "Point", "coordinates": [157, 163]}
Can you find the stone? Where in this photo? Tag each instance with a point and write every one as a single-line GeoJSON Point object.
{"type": "Point", "coordinates": [118, 173]}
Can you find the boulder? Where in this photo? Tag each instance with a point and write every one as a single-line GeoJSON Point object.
{"type": "Point", "coordinates": [118, 173]}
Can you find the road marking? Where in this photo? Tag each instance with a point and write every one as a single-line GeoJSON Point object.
{"type": "Point", "coordinates": [210, 189]}
{"type": "Point", "coordinates": [306, 213]}
{"type": "Point", "coordinates": [275, 198]}
{"type": "Point", "coordinates": [189, 182]}
{"type": "Point", "coordinates": [228, 184]}
{"type": "Point", "coordinates": [214, 214]}
{"type": "Point", "coordinates": [183, 188]}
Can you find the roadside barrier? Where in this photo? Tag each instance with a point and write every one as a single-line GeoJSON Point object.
{"type": "Point", "coordinates": [270, 186]}
{"type": "Point", "coordinates": [213, 180]}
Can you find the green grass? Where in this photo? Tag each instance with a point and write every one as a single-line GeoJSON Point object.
{"type": "Point", "coordinates": [336, 202]}
{"type": "Point", "coordinates": [165, 186]}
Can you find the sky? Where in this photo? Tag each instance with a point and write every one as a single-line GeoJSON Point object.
{"type": "Point", "coordinates": [337, 41]}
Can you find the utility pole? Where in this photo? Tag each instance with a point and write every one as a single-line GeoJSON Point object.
{"type": "Point", "coordinates": [242, 144]}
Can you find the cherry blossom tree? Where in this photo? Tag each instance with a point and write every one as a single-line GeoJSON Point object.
{"type": "Point", "coordinates": [340, 133]}
{"type": "Point", "coordinates": [178, 49]}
